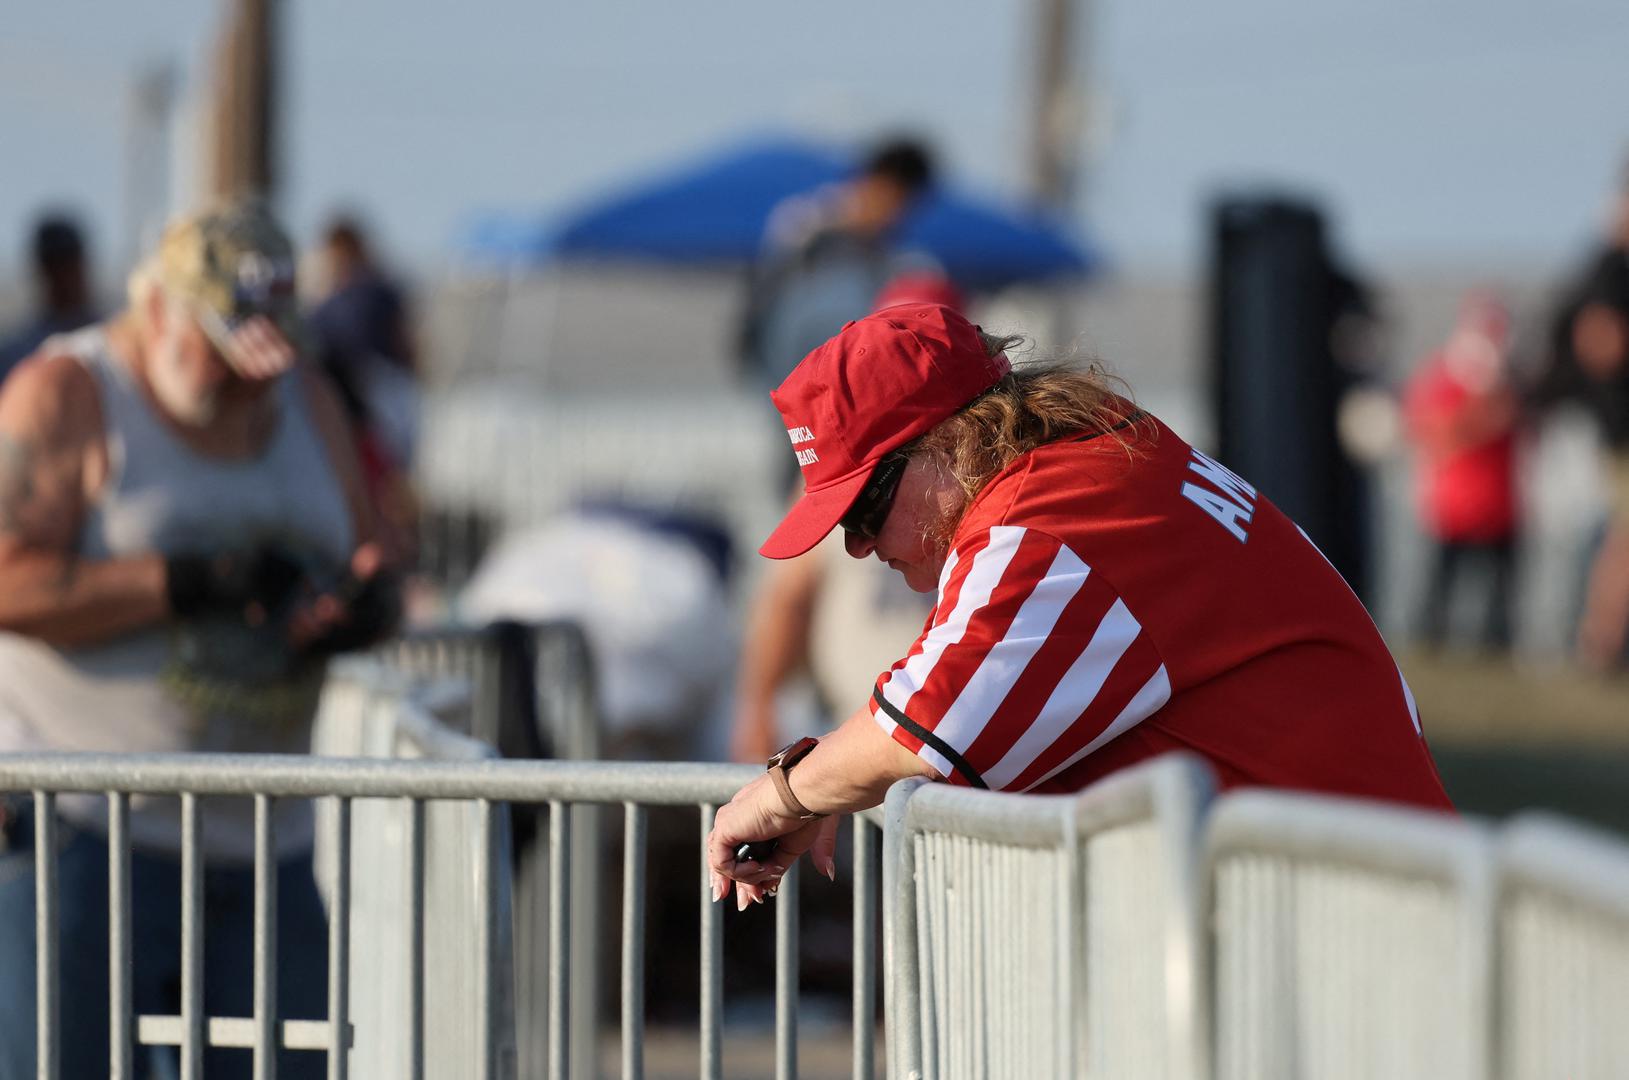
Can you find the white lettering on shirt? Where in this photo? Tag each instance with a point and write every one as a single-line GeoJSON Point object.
{"type": "Point", "coordinates": [807, 457]}
{"type": "Point", "coordinates": [800, 435]}
{"type": "Point", "coordinates": [1232, 506]}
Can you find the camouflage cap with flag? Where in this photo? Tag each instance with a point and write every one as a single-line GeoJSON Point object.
{"type": "Point", "coordinates": [232, 263]}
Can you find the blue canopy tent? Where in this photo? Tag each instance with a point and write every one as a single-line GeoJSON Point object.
{"type": "Point", "coordinates": [713, 212]}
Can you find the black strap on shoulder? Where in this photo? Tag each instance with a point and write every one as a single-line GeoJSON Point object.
{"type": "Point", "coordinates": [957, 762]}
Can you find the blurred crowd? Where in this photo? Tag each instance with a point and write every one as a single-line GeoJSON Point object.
{"type": "Point", "coordinates": [1472, 408]}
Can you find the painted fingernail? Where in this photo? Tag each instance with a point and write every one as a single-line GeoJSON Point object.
{"type": "Point", "coordinates": [718, 888]}
{"type": "Point", "coordinates": [830, 869]}
{"type": "Point", "coordinates": [741, 900]}
{"type": "Point", "coordinates": [773, 890]}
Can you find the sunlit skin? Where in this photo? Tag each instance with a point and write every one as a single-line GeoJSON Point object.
{"type": "Point", "coordinates": [926, 494]}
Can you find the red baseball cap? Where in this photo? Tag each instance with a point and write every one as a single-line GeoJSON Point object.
{"type": "Point", "coordinates": [882, 382]}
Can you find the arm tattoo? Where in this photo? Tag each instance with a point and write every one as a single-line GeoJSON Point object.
{"type": "Point", "coordinates": [16, 483]}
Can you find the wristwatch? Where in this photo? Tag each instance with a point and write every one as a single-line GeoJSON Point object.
{"type": "Point", "coordinates": [780, 764]}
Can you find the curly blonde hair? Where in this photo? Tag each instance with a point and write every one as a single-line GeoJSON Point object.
{"type": "Point", "coordinates": [1038, 402]}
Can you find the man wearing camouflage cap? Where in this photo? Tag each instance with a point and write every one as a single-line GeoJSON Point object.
{"type": "Point", "coordinates": [184, 539]}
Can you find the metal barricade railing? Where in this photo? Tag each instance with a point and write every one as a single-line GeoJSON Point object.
{"type": "Point", "coordinates": [532, 695]}
{"type": "Point", "coordinates": [1350, 939]}
{"type": "Point", "coordinates": [476, 788]}
{"type": "Point", "coordinates": [1046, 935]}
{"type": "Point", "coordinates": [517, 458]}
{"type": "Point", "coordinates": [464, 889]}
{"type": "Point", "coordinates": [1564, 952]}
{"type": "Point", "coordinates": [561, 709]}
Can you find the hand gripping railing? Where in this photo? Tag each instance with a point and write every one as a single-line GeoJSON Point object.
{"type": "Point", "coordinates": [1046, 935]}
{"type": "Point", "coordinates": [1351, 939]}
{"type": "Point", "coordinates": [1563, 998]}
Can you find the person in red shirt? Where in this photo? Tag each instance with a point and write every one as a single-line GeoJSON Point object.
{"type": "Point", "coordinates": [1461, 411]}
{"type": "Point", "coordinates": [1106, 593]}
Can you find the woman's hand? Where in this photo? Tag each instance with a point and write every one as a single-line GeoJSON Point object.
{"type": "Point", "coordinates": [756, 814]}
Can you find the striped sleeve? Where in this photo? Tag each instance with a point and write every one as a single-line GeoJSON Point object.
{"type": "Point", "coordinates": [1029, 663]}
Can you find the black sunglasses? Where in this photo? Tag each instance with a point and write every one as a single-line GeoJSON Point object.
{"type": "Point", "coordinates": [869, 511]}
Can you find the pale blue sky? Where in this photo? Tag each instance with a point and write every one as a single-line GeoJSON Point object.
{"type": "Point", "coordinates": [1450, 132]}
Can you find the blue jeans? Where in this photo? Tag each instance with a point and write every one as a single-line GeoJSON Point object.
{"type": "Point", "coordinates": [155, 889]}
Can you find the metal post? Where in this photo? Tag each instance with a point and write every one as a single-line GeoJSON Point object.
{"type": "Point", "coordinates": [559, 937]}
{"type": "Point", "coordinates": [265, 971]}
{"type": "Point", "coordinates": [902, 957]}
{"type": "Point", "coordinates": [786, 976]}
{"type": "Point", "coordinates": [339, 945]}
{"type": "Point", "coordinates": [119, 955]}
{"type": "Point", "coordinates": [48, 1036]}
{"type": "Point", "coordinates": [485, 920]}
{"type": "Point", "coordinates": [192, 942]}
{"type": "Point", "coordinates": [633, 942]}
{"type": "Point", "coordinates": [865, 953]}
{"type": "Point", "coordinates": [415, 939]}
{"type": "Point", "coordinates": [712, 963]}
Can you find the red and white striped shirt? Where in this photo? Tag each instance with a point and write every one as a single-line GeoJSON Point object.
{"type": "Point", "coordinates": [1099, 607]}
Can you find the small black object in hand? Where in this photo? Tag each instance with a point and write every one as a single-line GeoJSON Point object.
{"type": "Point", "coordinates": [758, 851]}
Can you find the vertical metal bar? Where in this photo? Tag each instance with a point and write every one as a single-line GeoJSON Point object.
{"type": "Point", "coordinates": [633, 942]}
{"type": "Point", "coordinates": [712, 963]}
{"type": "Point", "coordinates": [559, 937]}
{"type": "Point", "coordinates": [192, 943]}
{"type": "Point", "coordinates": [415, 939]}
{"type": "Point", "coordinates": [339, 945]}
{"type": "Point", "coordinates": [486, 1002]}
{"type": "Point", "coordinates": [786, 976]}
{"type": "Point", "coordinates": [265, 970]}
{"type": "Point", "coordinates": [865, 953]}
{"type": "Point", "coordinates": [119, 954]}
{"type": "Point", "coordinates": [902, 975]}
{"type": "Point", "coordinates": [48, 1006]}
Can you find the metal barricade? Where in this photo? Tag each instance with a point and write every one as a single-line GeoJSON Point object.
{"type": "Point", "coordinates": [1351, 939]}
{"type": "Point", "coordinates": [462, 848]}
{"type": "Point", "coordinates": [1564, 952]}
{"type": "Point", "coordinates": [532, 695]}
{"type": "Point", "coordinates": [474, 788]}
{"type": "Point", "coordinates": [1046, 935]}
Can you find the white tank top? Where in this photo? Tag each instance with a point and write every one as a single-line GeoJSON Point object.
{"type": "Point", "coordinates": [199, 686]}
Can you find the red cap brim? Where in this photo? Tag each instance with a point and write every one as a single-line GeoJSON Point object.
{"type": "Point", "coordinates": [813, 516]}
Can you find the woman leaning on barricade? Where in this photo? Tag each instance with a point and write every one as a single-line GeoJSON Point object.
{"type": "Point", "coordinates": [1105, 593]}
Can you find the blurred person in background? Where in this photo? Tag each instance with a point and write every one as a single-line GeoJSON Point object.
{"type": "Point", "coordinates": [1588, 362]}
{"type": "Point", "coordinates": [1462, 411]}
{"type": "Point", "coordinates": [62, 289]}
{"type": "Point", "coordinates": [184, 540]}
{"type": "Point", "coordinates": [361, 330]}
{"type": "Point", "coordinates": [838, 619]}
{"type": "Point", "coordinates": [826, 255]}
{"type": "Point", "coordinates": [1106, 594]}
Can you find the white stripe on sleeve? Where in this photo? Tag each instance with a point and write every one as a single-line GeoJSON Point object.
{"type": "Point", "coordinates": [982, 577]}
{"type": "Point", "coordinates": [1143, 704]}
{"type": "Point", "coordinates": [1007, 659]}
{"type": "Point", "coordinates": [1072, 696]}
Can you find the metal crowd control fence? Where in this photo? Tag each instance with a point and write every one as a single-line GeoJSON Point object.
{"type": "Point", "coordinates": [514, 458]}
{"type": "Point", "coordinates": [1351, 939]}
{"type": "Point", "coordinates": [479, 787]}
{"type": "Point", "coordinates": [532, 695]}
{"type": "Point", "coordinates": [1564, 952]}
{"type": "Point", "coordinates": [1046, 935]}
{"type": "Point", "coordinates": [372, 712]}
